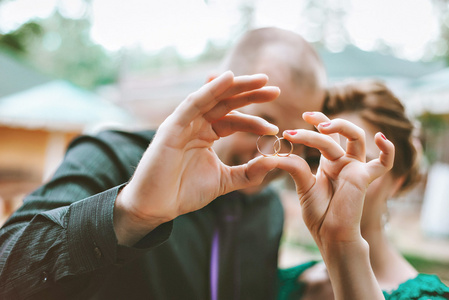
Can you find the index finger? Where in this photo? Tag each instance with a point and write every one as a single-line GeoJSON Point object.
{"type": "Point", "coordinates": [355, 146]}
{"type": "Point", "coordinates": [210, 94]}
{"type": "Point", "coordinates": [315, 118]}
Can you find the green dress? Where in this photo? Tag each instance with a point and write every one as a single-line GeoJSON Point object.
{"type": "Point", "coordinates": [422, 287]}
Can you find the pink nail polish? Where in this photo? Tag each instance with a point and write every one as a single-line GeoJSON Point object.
{"type": "Point", "coordinates": [310, 113]}
{"type": "Point", "coordinates": [327, 124]}
{"type": "Point", "coordinates": [383, 136]}
{"type": "Point", "coordinates": [291, 132]}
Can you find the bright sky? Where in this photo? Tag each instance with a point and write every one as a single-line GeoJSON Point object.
{"type": "Point", "coordinates": [188, 24]}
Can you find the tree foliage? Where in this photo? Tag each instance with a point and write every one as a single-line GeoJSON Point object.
{"type": "Point", "coordinates": [16, 40]}
{"type": "Point", "coordinates": [62, 47]}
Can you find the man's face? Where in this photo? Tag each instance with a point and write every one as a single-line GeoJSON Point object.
{"type": "Point", "coordinates": [284, 112]}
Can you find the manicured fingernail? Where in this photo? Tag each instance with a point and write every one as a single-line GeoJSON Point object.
{"type": "Point", "coordinates": [383, 136]}
{"type": "Point", "coordinates": [291, 132]}
{"type": "Point", "coordinates": [327, 124]}
{"type": "Point", "coordinates": [309, 113]}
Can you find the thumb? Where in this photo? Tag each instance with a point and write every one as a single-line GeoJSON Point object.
{"type": "Point", "coordinates": [251, 173]}
{"type": "Point", "coordinates": [254, 172]}
{"type": "Point", "coordinates": [299, 170]}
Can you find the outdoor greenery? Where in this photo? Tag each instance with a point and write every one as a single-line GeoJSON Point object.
{"type": "Point", "coordinates": [434, 136]}
{"type": "Point", "coordinates": [62, 47]}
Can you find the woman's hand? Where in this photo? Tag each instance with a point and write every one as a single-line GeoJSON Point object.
{"type": "Point", "coordinates": [332, 200]}
{"type": "Point", "coordinates": [179, 172]}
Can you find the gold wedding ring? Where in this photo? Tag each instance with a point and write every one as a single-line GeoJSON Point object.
{"type": "Point", "coordinates": [278, 141]}
{"type": "Point", "coordinates": [277, 146]}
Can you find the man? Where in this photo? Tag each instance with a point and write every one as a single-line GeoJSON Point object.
{"type": "Point", "coordinates": [292, 65]}
{"type": "Point", "coordinates": [157, 216]}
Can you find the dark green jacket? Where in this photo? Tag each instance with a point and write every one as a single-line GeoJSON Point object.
{"type": "Point", "coordinates": [61, 244]}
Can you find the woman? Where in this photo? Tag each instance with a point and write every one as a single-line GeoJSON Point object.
{"type": "Point", "coordinates": [373, 107]}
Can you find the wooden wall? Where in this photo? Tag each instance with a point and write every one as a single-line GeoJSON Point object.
{"type": "Point", "coordinates": [27, 158]}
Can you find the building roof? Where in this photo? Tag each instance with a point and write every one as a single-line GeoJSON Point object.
{"type": "Point", "coordinates": [59, 105]}
{"type": "Point", "coordinates": [16, 76]}
{"type": "Point", "coordinates": [354, 62]}
{"type": "Point", "coordinates": [429, 93]}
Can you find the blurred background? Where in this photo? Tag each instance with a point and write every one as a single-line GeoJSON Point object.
{"type": "Point", "coordinates": [69, 67]}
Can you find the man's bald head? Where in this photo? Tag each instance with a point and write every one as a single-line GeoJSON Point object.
{"type": "Point", "coordinates": [291, 64]}
{"type": "Point", "coordinates": [272, 48]}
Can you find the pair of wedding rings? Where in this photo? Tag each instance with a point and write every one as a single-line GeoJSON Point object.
{"type": "Point", "coordinates": [277, 146]}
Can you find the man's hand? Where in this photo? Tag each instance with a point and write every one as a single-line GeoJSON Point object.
{"type": "Point", "coordinates": [179, 172]}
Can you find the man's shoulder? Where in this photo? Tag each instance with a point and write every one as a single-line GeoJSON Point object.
{"type": "Point", "coordinates": [144, 136]}
{"type": "Point", "coordinates": [124, 145]}
{"type": "Point", "coordinates": [115, 138]}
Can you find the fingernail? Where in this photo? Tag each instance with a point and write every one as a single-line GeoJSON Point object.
{"type": "Point", "coordinates": [309, 113]}
{"type": "Point", "coordinates": [327, 124]}
{"type": "Point", "coordinates": [272, 126]}
{"type": "Point", "coordinates": [383, 136]}
{"type": "Point", "coordinates": [291, 132]}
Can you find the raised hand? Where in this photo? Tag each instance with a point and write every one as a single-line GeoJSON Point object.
{"type": "Point", "coordinates": [179, 172]}
{"type": "Point", "coordinates": [332, 200]}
